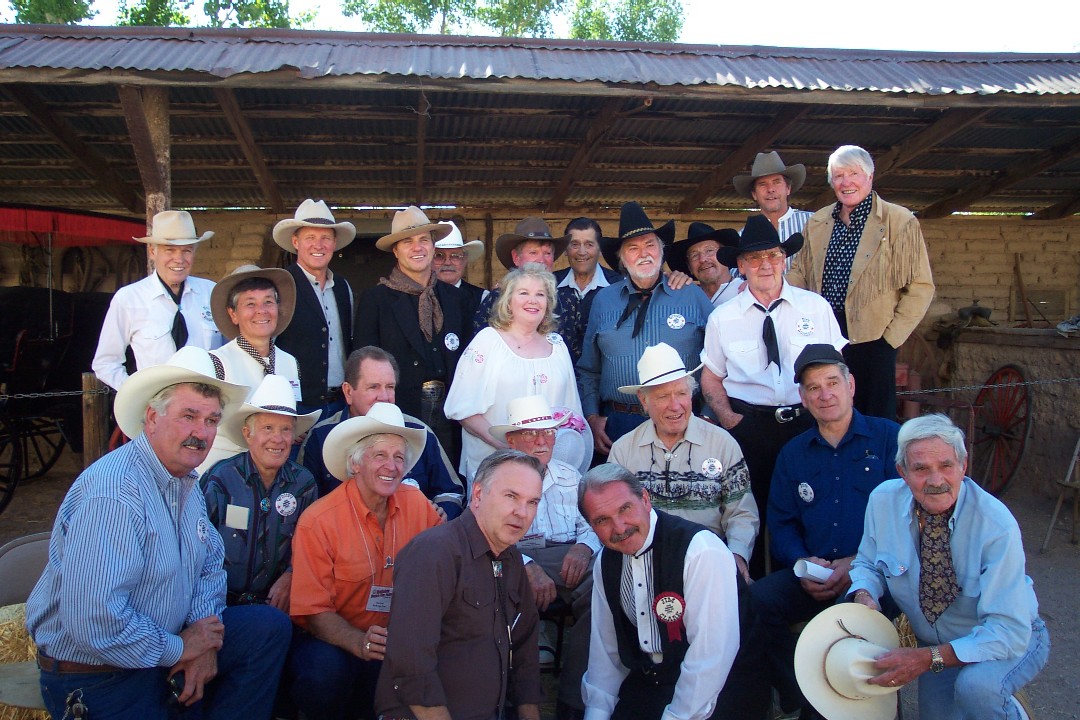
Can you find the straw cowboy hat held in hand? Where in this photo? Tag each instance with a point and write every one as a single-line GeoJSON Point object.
{"type": "Point", "coordinates": [274, 395]}
{"type": "Point", "coordinates": [219, 298]}
{"type": "Point", "coordinates": [408, 222]}
{"type": "Point", "coordinates": [382, 418]}
{"type": "Point", "coordinates": [633, 222]}
{"type": "Point", "coordinates": [312, 213]}
{"type": "Point", "coordinates": [453, 241]}
{"type": "Point", "coordinates": [531, 412]}
{"type": "Point", "coordinates": [173, 227]}
{"type": "Point", "coordinates": [531, 228]}
{"type": "Point", "coordinates": [769, 164]}
{"type": "Point", "coordinates": [189, 364]}
{"type": "Point", "coordinates": [835, 657]}
{"type": "Point", "coordinates": [659, 364]}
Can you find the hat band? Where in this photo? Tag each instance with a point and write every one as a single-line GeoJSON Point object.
{"type": "Point", "coordinates": [319, 221]}
{"type": "Point", "coordinates": [519, 423]}
{"type": "Point", "coordinates": [412, 227]}
{"type": "Point", "coordinates": [278, 408]}
{"type": "Point", "coordinates": [663, 374]}
{"type": "Point", "coordinates": [639, 230]}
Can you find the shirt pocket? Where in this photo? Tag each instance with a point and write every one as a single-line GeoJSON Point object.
{"type": "Point", "coordinates": [890, 566]}
{"type": "Point", "coordinates": [745, 355]}
{"type": "Point", "coordinates": [352, 572]}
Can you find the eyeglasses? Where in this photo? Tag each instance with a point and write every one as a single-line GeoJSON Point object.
{"type": "Point", "coordinates": [756, 259]}
{"type": "Point", "coordinates": [534, 434]}
{"type": "Point", "coordinates": [695, 255]}
{"type": "Point", "coordinates": [456, 257]}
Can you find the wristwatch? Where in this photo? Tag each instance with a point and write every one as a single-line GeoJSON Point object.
{"type": "Point", "coordinates": [937, 663]}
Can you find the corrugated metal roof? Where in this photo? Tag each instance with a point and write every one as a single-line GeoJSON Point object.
{"type": "Point", "coordinates": [225, 53]}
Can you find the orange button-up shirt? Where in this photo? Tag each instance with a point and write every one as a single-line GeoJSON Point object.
{"type": "Point", "coordinates": [340, 552]}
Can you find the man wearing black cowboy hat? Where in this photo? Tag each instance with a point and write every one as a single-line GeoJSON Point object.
{"type": "Point", "coordinates": [751, 344]}
{"type": "Point", "coordinates": [640, 310]}
{"type": "Point", "coordinates": [696, 256]}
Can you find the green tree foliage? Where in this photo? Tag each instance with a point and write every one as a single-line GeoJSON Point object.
{"type": "Point", "coordinates": [52, 12]}
{"type": "Point", "coordinates": [519, 18]}
{"type": "Point", "coordinates": [154, 13]}
{"type": "Point", "coordinates": [632, 20]}
{"type": "Point", "coordinates": [412, 16]}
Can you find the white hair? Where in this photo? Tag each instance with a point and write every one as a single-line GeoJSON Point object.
{"type": "Point", "coordinates": [847, 156]}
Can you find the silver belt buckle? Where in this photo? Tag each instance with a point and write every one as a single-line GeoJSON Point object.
{"type": "Point", "coordinates": [782, 418]}
{"type": "Point", "coordinates": [433, 390]}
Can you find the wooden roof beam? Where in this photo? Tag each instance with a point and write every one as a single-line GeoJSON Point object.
{"type": "Point", "coordinates": [741, 157]}
{"type": "Point", "coordinates": [1017, 172]}
{"type": "Point", "coordinates": [948, 124]}
{"type": "Point", "coordinates": [146, 112]}
{"type": "Point", "coordinates": [89, 159]}
{"type": "Point", "coordinates": [1068, 206]}
{"type": "Point", "coordinates": [601, 125]}
{"type": "Point", "coordinates": [226, 98]}
{"type": "Point", "coordinates": [422, 117]}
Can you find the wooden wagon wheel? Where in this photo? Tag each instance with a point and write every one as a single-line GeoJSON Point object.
{"type": "Point", "coordinates": [10, 462]}
{"type": "Point", "coordinates": [1002, 428]}
{"type": "Point", "coordinates": [42, 443]}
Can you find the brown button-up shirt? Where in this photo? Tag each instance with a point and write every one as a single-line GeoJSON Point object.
{"type": "Point", "coordinates": [451, 642]}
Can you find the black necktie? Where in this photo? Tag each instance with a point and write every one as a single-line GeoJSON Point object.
{"type": "Point", "coordinates": [768, 333]}
{"type": "Point", "coordinates": [639, 303]}
{"type": "Point", "coordinates": [179, 327]}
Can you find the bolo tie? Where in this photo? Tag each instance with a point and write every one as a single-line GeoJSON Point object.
{"type": "Point", "coordinates": [768, 333]}
{"type": "Point", "coordinates": [179, 330]}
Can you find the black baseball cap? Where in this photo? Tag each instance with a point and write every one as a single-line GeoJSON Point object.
{"type": "Point", "coordinates": [817, 354]}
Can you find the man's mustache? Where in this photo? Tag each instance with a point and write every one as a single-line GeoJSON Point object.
{"type": "Point", "coordinates": [194, 443]}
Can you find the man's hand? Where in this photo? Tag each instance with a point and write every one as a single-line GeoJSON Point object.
{"type": "Point", "coordinates": [575, 565]}
{"type": "Point", "coordinates": [197, 673]}
{"type": "Point", "coordinates": [864, 598]}
{"type": "Point", "coordinates": [202, 636]}
{"type": "Point", "coordinates": [438, 510]}
{"type": "Point", "coordinates": [744, 570]}
{"type": "Point", "coordinates": [837, 584]}
{"type": "Point", "coordinates": [601, 441]}
{"type": "Point", "coordinates": [543, 586]}
{"type": "Point", "coordinates": [729, 419]}
{"type": "Point", "coordinates": [677, 280]}
{"type": "Point", "coordinates": [279, 592]}
{"type": "Point", "coordinates": [374, 645]}
{"type": "Point", "coordinates": [900, 666]}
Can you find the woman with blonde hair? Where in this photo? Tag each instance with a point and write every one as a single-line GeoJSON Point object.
{"type": "Point", "coordinates": [517, 354]}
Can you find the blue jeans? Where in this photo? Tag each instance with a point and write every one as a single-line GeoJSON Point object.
{"type": "Point", "coordinates": [328, 683]}
{"type": "Point", "coordinates": [983, 690]}
{"type": "Point", "coordinates": [249, 666]}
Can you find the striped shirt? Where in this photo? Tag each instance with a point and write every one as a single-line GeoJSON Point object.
{"type": "Point", "coordinates": [791, 222]}
{"type": "Point", "coordinates": [133, 558]}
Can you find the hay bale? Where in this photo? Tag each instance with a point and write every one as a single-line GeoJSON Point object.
{"type": "Point", "coordinates": [16, 645]}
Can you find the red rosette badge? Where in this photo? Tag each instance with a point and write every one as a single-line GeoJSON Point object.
{"type": "Point", "coordinates": [670, 608]}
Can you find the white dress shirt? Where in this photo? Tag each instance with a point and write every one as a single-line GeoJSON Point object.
{"type": "Point", "coordinates": [735, 352]}
{"type": "Point", "coordinates": [335, 371]}
{"type": "Point", "coordinates": [557, 517]}
{"type": "Point", "coordinates": [599, 280]}
{"type": "Point", "coordinates": [712, 629]}
{"type": "Point", "coordinates": [141, 316]}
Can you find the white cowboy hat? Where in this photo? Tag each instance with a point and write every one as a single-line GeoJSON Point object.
{"type": "Point", "coordinates": [835, 657]}
{"type": "Point", "coordinates": [531, 412]}
{"type": "Point", "coordinates": [381, 418]}
{"type": "Point", "coordinates": [173, 227]}
{"type": "Point", "coordinates": [473, 249]}
{"type": "Point", "coordinates": [659, 364]}
{"type": "Point", "coordinates": [312, 213]}
{"type": "Point", "coordinates": [189, 364]}
{"type": "Point", "coordinates": [219, 297]}
{"type": "Point", "coordinates": [408, 222]}
{"type": "Point", "coordinates": [274, 395]}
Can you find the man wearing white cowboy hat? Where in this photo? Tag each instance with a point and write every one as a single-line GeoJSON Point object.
{"type": "Point", "coordinates": [690, 467]}
{"type": "Point", "coordinates": [665, 609]}
{"type": "Point", "coordinates": [325, 301]}
{"type": "Point", "coordinates": [559, 545]}
{"type": "Point", "coordinates": [770, 184]}
{"type": "Point", "coordinates": [161, 313]}
{"type": "Point", "coordinates": [452, 255]}
{"type": "Point", "coordinates": [751, 344]}
{"type": "Point", "coordinates": [255, 498]}
{"type": "Point", "coordinates": [422, 322]}
{"type": "Point", "coordinates": [642, 309]}
{"type": "Point", "coordinates": [343, 563]}
{"type": "Point", "coordinates": [133, 594]}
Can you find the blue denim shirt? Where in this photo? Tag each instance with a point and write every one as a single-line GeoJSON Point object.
{"type": "Point", "coordinates": [992, 617]}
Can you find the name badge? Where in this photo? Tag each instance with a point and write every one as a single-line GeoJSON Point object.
{"type": "Point", "coordinates": [236, 517]}
{"type": "Point", "coordinates": [452, 341]}
{"type": "Point", "coordinates": [535, 541]}
{"type": "Point", "coordinates": [295, 385]}
{"type": "Point", "coordinates": [379, 598]}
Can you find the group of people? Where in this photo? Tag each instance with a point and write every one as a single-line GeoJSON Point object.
{"type": "Point", "coordinates": [362, 507]}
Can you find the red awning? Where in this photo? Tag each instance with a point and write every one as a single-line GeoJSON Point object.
{"type": "Point", "coordinates": [69, 228]}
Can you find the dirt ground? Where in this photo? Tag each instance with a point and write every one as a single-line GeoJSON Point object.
{"type": "Point", "coordinates": [1056, 575]}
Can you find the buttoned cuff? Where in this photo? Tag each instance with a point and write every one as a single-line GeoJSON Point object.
{"type": "Point", "coordinates": [425, 690]}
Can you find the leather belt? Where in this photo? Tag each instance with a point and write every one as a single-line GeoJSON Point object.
{"type": "Point", "coordinates": [53, 665]}
{"type": "Point", "coordinates": [628, 408]}
{"type": "Point", "coordinates": [781, 414]}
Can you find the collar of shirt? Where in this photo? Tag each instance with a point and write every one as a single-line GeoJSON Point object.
{"type": "Point", "coordinates": [361, 508]}
{"type": "Point", "coordinates": [647, 545]}
{"type": "Point", "coordinates": [909, 512]}
{"type": "Point", "coordinates": [478, 544]}
{"type": "Point", "coordinates": [556, 474]}
{"type": "Point", "coordinates": [747, 300]}
{"type": "Point", "coordinates": [599, 280]}
{"type": "Point", "coordinates": [786, 215]}
{"type": "Point", "coordinates": [629, 288]}
{"type": "Point", "coordinates": [253, 477]}
{"type": "Point", "coordinates": [858, 427]}
{"type": "Point", "coordinates": [161, 478]}
{"type": "Point", "coordinates": [858, 215]}
{"type": "Point", "coordinates": [695, 434]}
{"type": "Point", "coordinates": [314, 281]}
{"type": "Point", "coordinates": [158, 290]}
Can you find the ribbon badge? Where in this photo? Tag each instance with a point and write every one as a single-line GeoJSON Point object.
{"type": "Point", "coordinates": [669, 608]}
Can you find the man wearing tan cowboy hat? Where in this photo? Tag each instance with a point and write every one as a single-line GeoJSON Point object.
{"type": "Point", "coordinates": [323, 340]}
{"type": "Point", "coordinates": [690, 467]}
{"type": "Point", "coordinates": [696, 256]}
{"type": "Point", "coordinates": [161, 313]}
{"type": "Point", "coordinates": [452, 256]}
{"type": "Point", "coordinates": [255, 498]}
{"type": "Point", "coordinates": [770, 184]}
{"type": "Point", "coordinates": [559, 545]}
{"type": "Point", "coordinates": [130, 609]}
{"type": "Point", "coordinates": [642, 309]}
{"type": "Point", "coordinates": [422, 322]}
{"type": "Point", "coordinates": [751, 343]}
{"type": "Point", "coordinates": [344, 553]}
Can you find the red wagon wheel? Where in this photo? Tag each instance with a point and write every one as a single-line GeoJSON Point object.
{"type": "Point", "coordinates": [10, 461]}
{"type": "Point", "coordinates": [1002, 427]}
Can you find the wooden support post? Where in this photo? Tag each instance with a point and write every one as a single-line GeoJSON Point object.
{"type": "Point", "coordinates": [95, 417]}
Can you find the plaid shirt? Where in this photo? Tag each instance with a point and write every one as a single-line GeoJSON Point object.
{"type": "Point", "coordinates": [259, 552]}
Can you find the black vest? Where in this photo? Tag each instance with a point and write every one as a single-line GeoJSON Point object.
{"type": "Point", "coordinates": [307, 337]}
{"type": "Point", "coordinates": [670, 541]}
